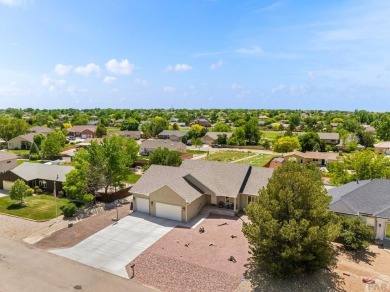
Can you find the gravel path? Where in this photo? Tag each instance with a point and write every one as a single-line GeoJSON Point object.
{"type": "Point", "coordinates": [18, 228]}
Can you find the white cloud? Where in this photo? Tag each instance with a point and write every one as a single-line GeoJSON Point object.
{"type": "Point", "coordinates": [236, 86]}
{"type": "Point", "coordinates": [109, 80]}
{"type": "Point", "coordinates": [88, 69]}
{"type": "Point", "coordinates": [120, 68]}
{"type": "Point", "coordinates": [52, 84]}
{"type": "Point", "coordinates": [255, 50]}
{"type": "Point", "coordinates": [298, 89]}
{"type": "Point", "coordinates": [169, 89]}
{"type": "Point", "coordinates": [62, 70]}
{"type": "Point", "coordinates": [75, 90]}
{"type": "Point", "coordinates": [178, 68]}
{"type": "Point", "coordinates": [278, 88]}
{"type": "Point", "coordinates": [13, 2]}
{"type": "Point", "coordinates": [217, 65]}
{"type": "Point", "coordinates": [141, 82]}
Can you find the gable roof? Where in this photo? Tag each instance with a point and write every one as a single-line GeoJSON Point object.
{"type": "Point", "coordinates": [220, 178]}
{"type": "Point", "coordinates": [177, 133]}
{"type": "Point", "coordinates": [81, 128]}
{"type": "Point", "coordinates": [4, 155]}
{"type": "Point", "coordinates": [30, 171]}
{"type": "Point", "coordinates": [329, 136]}
{"type": "Point", "coordinates": [313, 155]}
{"type": "Point", "coordinates": [384, 144]}
{"type": "Point", "coordinates": [39, 129]}
{"type": "Point", "coordinates": [367, 197]}
{"type": "Point", "coordinates": [160, 143]}
{"type": "Point", "coordinates": [26, 137]}
{"type": "Point", "coordinates": [214, 135]}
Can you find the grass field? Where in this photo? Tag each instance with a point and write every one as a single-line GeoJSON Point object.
{"type": "Point", "coordinates": [19, 152]}
{"type": "Point", "coordinates": [21, 161]}
{"type": "Point", "coordinates": [228, 156]}
{"type": "Point", "coordinates": [40, 207]}
{"type": "Point", "coordinates": [259, 160]}
{"type": "Point", "coordinates": [132, 178]}
{"type": "Point", "coordinates": [196, 151]}
{"type": "Point", "coordinates": [112, 129]}
{"type": "Point", "coordinates": [271, 134]}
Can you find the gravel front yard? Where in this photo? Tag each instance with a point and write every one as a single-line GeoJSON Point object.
{"type": "Point", "coordinates": [187, 260]}
{"type": "Point", "coordinates": [18, 228]}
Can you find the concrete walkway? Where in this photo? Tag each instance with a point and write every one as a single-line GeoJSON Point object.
{"type": "Point", "coordinates": [112, 248]}
{"type": "Point", "coordinates": [245, 158]}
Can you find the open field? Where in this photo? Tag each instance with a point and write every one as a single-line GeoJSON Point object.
{"type": "Point", "coordinates": [40, 207]}
{"type": "Point", "coordinates": [228, 156]}
{"type": "Point", "coordinates": [195, 151]}
{"type": "Point", "coordinates": [259, 160]}
{"type": "Point", "coordinates": [271, 134]}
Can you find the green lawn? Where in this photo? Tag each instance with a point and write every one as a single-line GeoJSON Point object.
{"type": "Point", "coordinates": [40, 207]}
{"type": "Point", "coordinates": [271, 134]}
{"type": "Point", "coordinates": [132, 178]}
{"type": "Point", "coordinates": [228, 156]}
{"type": "Point", "coordinates": [112, 129]}
{"type": "Point", "coordinates": [19, 152]}
{"type": "Point", "coordinates": [21, 161]}
{"type": "Point", "coordinates": [259, 160]}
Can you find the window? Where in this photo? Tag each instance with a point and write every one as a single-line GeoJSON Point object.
{"type": "Point", "coordinates": [251, 199]}
{"type": "Point", "coordinates": [43, 184]}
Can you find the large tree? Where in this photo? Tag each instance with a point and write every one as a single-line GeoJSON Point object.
{"type": "Point", "coordinates": [20, 190]}
{"type": "Point", "coordinates": [164, 156]}
{"type": "Point", "coordinates": [311, 142]}
{"type": "Point", "coordinates": [252, 132]}
{"type": "Point", "coordinates": [12, 127]}
{"type": "Point", "coordinates": [291, 228]}
{"type": "Point", "coordinates": [130, 124]}
{"type": "Point", "coordinates": [286, 144]}
{"type": "Point", "coordinates": [154, 126]}
{"type": "Point", "coordinates": [221, 127]}
{"type": "Point", "coordinates": [53, 144]}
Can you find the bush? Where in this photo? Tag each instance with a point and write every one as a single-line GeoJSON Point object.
{"type": "Point", "coordinates": [69, 209]}
{"type": "Point", "coordinates": [38, 191]}
{"type": "Point", "coordinates": [29, 192]}
{"type": "Point", "coordinates": [88, 198]}
{"type": "Point", "coordinates": [34, 157]}
{"type": "Point", "coordinates": [354, 233]}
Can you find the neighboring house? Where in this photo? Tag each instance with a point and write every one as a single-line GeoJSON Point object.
{"type": "Point", "coordinates": [87, 142]}
{"type": "Point", "coordinates": [202, 122]}
{"type": "Point", "coordinates": [369, 199]}
{"type": "Point", "coordinates": [329, 138]}
{"type": "Point", "coordinates": [40, 130]}
{"type": "Point", "coordinates": [383, 147]}
{"type": "Point", "coordinates": [173, 135]}
{"type": "Point", "coordinates": [180, 124]}
{"type": "Point", "coordinates": [136, 135]}
{"type": "Point", "coordinates": [179, 193]}
{"type": "Point", "coordinates": [369, 129]}
{"type": "Point", "coordinates": [83, 132]}
{"type": "Point", "coordinates": [334, 126]}
{"type": "Point", "coordinates": [150, 145]}
{"type": "Point", "coordinates": [277, 162]}
{"type": "Point", "coordinates": [8, 161]}
{"type": "Point", "coordinates": [93, 123]}
{"type": "Point", "coordinates": [22, 141]}
{"type": "Point", "coordinates": [350, 138]}
{"type": "Point", "coordinates": [36, 174]}
{"type": "Point", "coordinates": [319, 158]}
{"type": "Point", "coordinates": [211, 137]}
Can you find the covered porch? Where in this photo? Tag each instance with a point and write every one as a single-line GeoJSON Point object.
{"type": "Point", "coordinates": [229, 205]}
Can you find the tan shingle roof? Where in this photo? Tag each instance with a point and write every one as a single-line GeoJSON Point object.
{"type": "Point", "coordinates": [313, 155]}
{"type": "Point", "coordinates": [29, 171]}
{"type": "Point", "coordinates": [154, 144]}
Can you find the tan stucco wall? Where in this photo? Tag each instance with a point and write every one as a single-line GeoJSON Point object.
{"type": "Point", "coordinates": [15, 143]}
{"type": "Point", "coordinates": [4, 166]}
{"type": "Point", "coordinates": [167, 196]}
{"type": "Point", "coordinates": [194, 208]}
{"type": "Point", "coordinates": [243, 201]}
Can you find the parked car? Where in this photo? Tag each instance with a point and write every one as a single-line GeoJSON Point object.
{"type": "Point", "coordinates": [71, 138]}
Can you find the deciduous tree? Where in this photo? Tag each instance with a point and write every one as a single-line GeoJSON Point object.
{"type": "Point", "coordinates": [20, 190]}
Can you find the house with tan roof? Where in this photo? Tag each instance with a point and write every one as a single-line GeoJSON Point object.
{"type": "Point", "coordinates": [22, 141]}
{"type": "Point", "coordinates": [148, 146]}
{"type": "Point", "coordinates": [211, 137]}
{"type": "Point", "coordinates": [179, 193]}
{"type": "Point", "coordinates": [40, 130]}
{"type": "Point", "coordinates": [136, 135]}
{"type": "Point", "coordinates": [8, 161]}
{"type": "Point", "coordinates": [383, 147]}
{"type": "Point", "coordinates": [319, 158]}
{"type": "Point", "coordinates": [329, 138]}
{"type": "Point", "coordinates": [173, 135]}
{"type": "Point", "coordinates": [83, 131]}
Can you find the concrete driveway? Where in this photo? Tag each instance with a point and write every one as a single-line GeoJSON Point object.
{"type": "Point", "coordinates": [112, 248]}
{"type": "Point", "coordinates": [4, 193]}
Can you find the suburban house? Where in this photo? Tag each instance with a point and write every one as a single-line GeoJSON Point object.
{"type": "Point", "coordinates": [179, 193]}
{"type": "Point", "coordinates": [369, 129]}
{"type": "Point", "coordinates": [202, 122]}
{"type": "Point", "coordinates": [369, 199]}
{"type": "Point", "coordinates": [173, 135]}
{"type": "Point", "coordinates": [40, 130]}
{"type": "Point", "coordinates": [46, 176]}
{"type": "Point", "coordinates": [150, 145]}
{"type": "Point", "coordinates": [277, 162]}
{"type": "Point", "coordinates": [83, 132]}
{"type": "Point", "coordinates": [136, 135]}
{"type": "Point", "coordinates": [383, 147]}
{"type": "Point", "coordinates": [211, 137]}
{"type": "Point", "coordinates": [22, 141]}
{"type": "Point", "coordinates": [329, 138]}
{"type": "Point", "coordinates": [319, 158]}
{"type": "Point", "coordinates": [8, 161]}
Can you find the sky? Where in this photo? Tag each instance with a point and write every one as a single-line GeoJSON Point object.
{"type": "Point", "coordinates": [290, 54]}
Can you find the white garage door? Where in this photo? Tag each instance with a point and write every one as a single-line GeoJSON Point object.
{"type": "Point", "coordinates": [7, 185]}
{"type": "Point", "coordinates": [168, 211]}
{"type": "Point", "coordinates": [142, 205]}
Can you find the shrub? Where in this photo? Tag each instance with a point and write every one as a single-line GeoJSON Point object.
{"type": "Point", "coordinates": [69, 209]}
{"type": "Point", "coordinates": [88, 198]}
{"type": "Point", "coordinates": [354, 233]}
{"type": "Point", "coordinates": [39, 191]}
{"type": "Point", "coordinates": [34, 156]}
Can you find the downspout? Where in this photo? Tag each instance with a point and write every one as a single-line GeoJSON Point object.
{"type": "Point", "coordinates": [186, 212]}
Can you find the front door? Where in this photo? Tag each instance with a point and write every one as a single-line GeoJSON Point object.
{"type": "Point", "coordinates": [387, 231]}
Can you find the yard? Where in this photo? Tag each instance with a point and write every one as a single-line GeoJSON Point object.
{"type": "Point", "coordinates": [195, 151]}
{"type": "Point", "coordinates": [19, 152]}
{"type": "Point", "coordinates": [41, 207]}
{"type": "Point", "coordinates": [259, 160]}
{"type": "Point", "coordinates": [271, 134]}
{"type": "Point", "coordinates": [228, 156]}
{"type": "Point", "coordinates": [132, 178]}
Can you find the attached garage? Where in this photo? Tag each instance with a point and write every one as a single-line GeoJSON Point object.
{"type": "Point", "coordinates": [7, 185]}
{"type": "Point", "coordinates": [142, 205]}
{"type": "Point", "coordinates": [168, 211]}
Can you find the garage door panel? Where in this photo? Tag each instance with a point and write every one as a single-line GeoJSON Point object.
{"type": "Point", "coordinates": [142, 205]}
{"type": "Point", "coordinates": [168, 211]}
{"type": "Point", "coordinates": [7, 185]}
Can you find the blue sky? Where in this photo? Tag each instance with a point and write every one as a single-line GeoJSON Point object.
{"type": "Point", "coordinates": [330, 54]}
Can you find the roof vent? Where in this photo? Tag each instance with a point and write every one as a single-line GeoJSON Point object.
{"type": "Point", "coordinates": [357, 181]}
